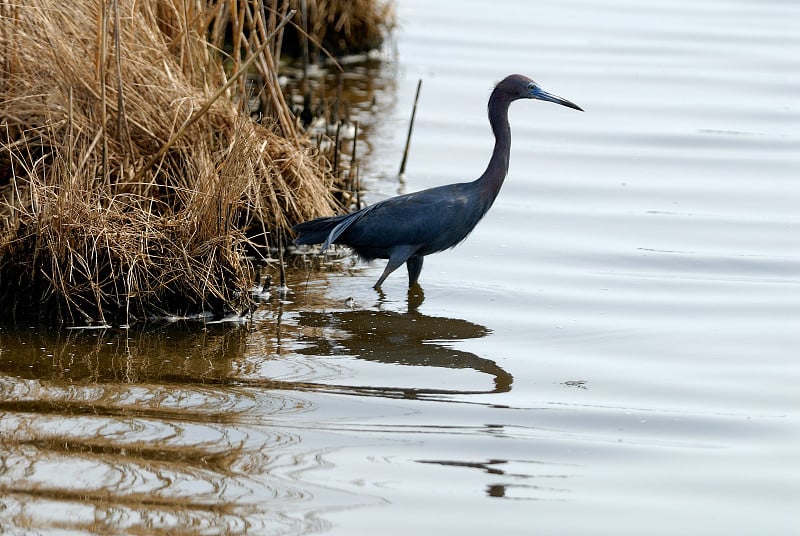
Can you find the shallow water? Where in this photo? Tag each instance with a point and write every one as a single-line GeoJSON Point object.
{"type": "Point", "coordinates": [611, 351]}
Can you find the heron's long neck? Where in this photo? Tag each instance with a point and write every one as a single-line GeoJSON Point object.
{"type": "Point", "coordinates": [492, 179]}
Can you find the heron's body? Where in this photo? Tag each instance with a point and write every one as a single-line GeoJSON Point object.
{"type": "Point", "coordinates": [408, 227]}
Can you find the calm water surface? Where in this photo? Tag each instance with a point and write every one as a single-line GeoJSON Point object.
{"type": "Point", "coordinates": [612, 351]}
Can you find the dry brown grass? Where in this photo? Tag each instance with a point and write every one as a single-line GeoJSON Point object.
{"type": "Point", "coordinates": [341, 26]}
{"type": "Point", "coordinates": [107, 214]}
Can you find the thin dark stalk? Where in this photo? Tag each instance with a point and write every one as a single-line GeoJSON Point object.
{"type": "Point", "coordinates": [353, 166]}
{"type": "Point", "coordinates": [410, 130]}
{"type": "Point", "coordinates": [281, 269]}
{"type": "Point", "coordinates": [358, 189]}
{"type": "Point", "coordinates": [336, 151]}
{"type": "Point", "coordinates": [257, 276]}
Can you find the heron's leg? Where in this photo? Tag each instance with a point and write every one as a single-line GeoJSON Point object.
{"type": "Point", "coordinates": [414, 265]}
{"type": "Point", "coordinates": [399, 255]}
{"type": "Point", "coordinates": [391, 266]}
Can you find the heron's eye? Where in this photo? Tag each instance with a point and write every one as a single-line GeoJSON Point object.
{"type": "Point", "coordinates": [531, 86]}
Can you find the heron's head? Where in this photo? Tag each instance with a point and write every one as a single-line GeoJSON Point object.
{"type": "Point", "coordinates": [517, 86]}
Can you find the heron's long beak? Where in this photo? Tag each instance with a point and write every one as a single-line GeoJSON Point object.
{"type": "Point", "coordinates": [540, 94]}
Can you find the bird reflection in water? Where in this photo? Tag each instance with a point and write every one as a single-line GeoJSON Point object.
{"type": "Point", "coordinates": [397, 338]}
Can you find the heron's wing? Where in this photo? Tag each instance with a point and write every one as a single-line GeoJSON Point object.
{"type": "Point", "coordinates": [427, 217]}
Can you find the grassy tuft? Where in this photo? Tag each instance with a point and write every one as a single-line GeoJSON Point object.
{"type": "Point", "coordinates": [128, 186]}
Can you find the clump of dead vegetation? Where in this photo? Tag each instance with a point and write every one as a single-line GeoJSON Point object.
{"type": "Point", "coordinates": [339, 27]}
{"type": "Point", "coordinates": [131, 177]}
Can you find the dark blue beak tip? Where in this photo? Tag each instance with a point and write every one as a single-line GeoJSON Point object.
{"type": "Point", "coordinates": [539, 94]}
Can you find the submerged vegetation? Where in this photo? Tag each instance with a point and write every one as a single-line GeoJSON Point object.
{"type": "Point", "coordinates": [132, 178]}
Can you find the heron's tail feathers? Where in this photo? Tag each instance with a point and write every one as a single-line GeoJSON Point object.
{"type": "Point", "coordinates": [326, 230]}
{"type": "Point", "coordinates": [315, 231]}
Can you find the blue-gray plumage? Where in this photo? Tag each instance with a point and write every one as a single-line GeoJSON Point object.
{"type": "Point", "coordinates": [405, 228]}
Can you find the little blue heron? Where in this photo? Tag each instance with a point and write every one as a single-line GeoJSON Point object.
{"type": "Point", "coordinates": [405, 228]}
